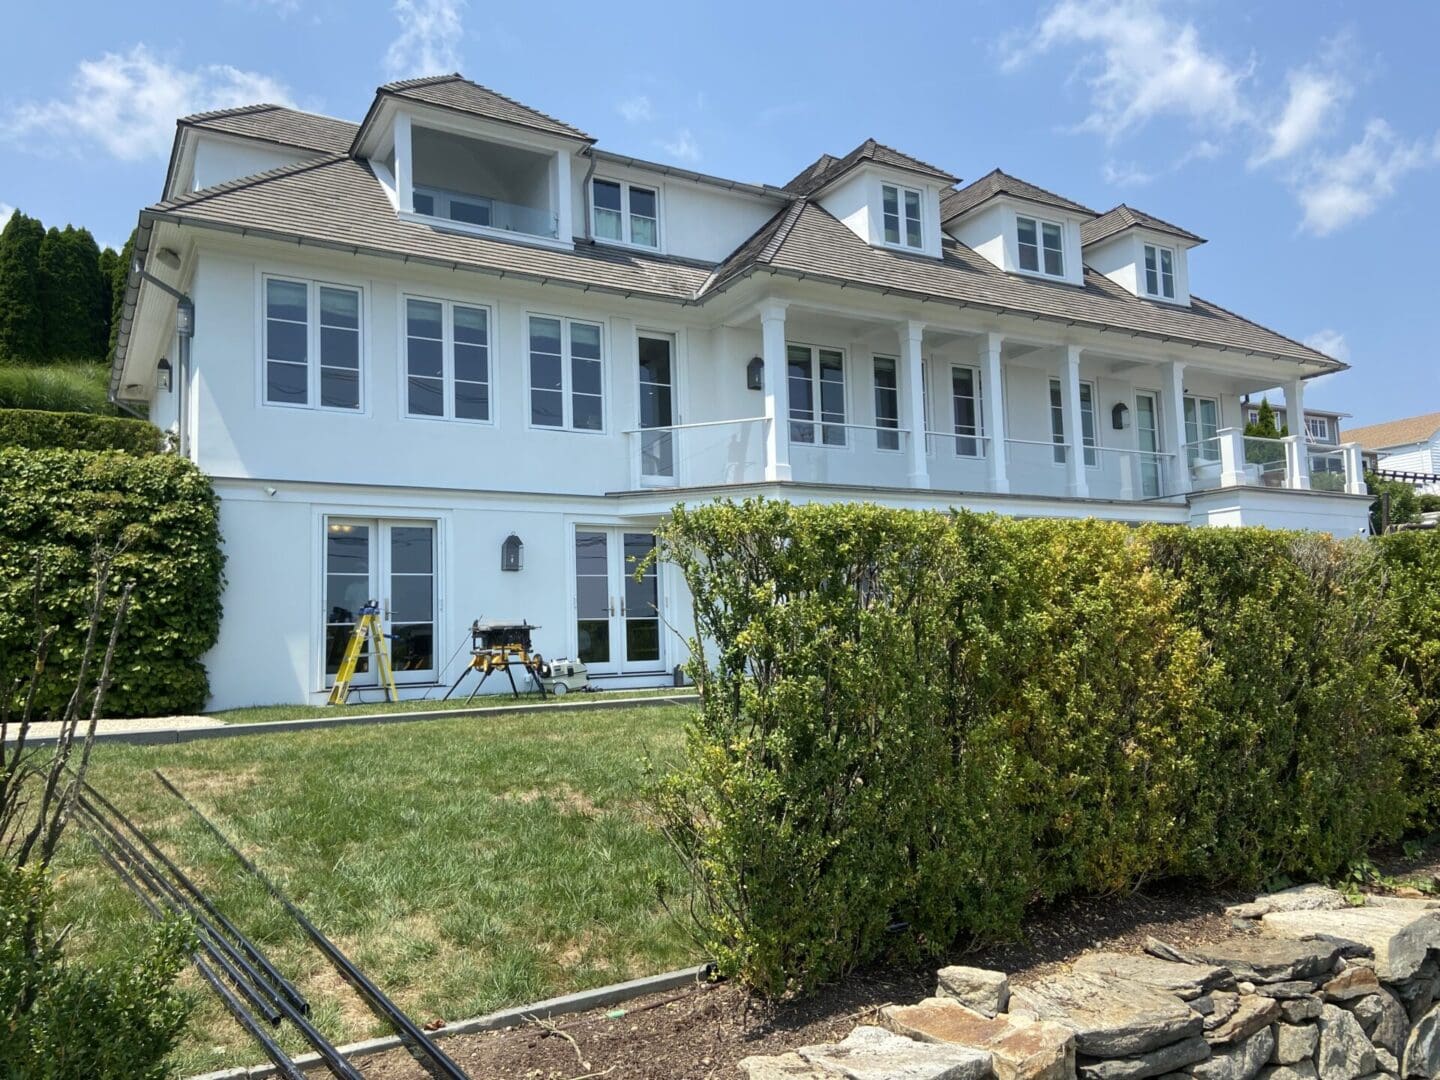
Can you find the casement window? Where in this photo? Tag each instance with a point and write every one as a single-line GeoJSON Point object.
{"type": "Point", "coordinates": [312, 345]}
{"type": "Point", "coordinates": [967, 410]}
{"type": "Point", "coordinates": [566, 374]}
{"type": "Point", "coordinates": [1317, 428]}
{"type": "Point", "coordinates": [454, 205]}
{"type": "Point", "coordinates": [1042, 246]}
{"type": "Point", "coordinates": [817, 391]}
{"type": "Point", "coordinates": [1202, 428]}
{"type": "Point", "coordinates": [901, 213]}
{"type": "Point", "coordinates": [1160, 271]}
{"type": "Point", "coordinates": [887, 404]}
{"type": "Point", "coordinates": [447, 360]}
{"type": "Point", "coordinates": [1088, 438]}
{"type": "Point", "coordinates": [625, 213]}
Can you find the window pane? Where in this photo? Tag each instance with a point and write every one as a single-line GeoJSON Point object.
{"type": "Point", "coordinates": [887, 404]}
{"type": "Point", "coordinates": [912, 218]}
{"type": "Point", "coordinates": [547, 408]}
{"type": "Point", "coordinates": [1057, 421]}
{"type": "Point", "coordinates": [423, 319]}
{"type": "Point", "coordinates": [585, 340]}
{"type": "Point", "coordinates": [339, 388]}
{"type": "Point", "coordinates": [471, 363]}
{"type": "Point", "coordinates": [545, 335]}
{"type": "Point", "coordinates": [654, 360]}
{"type": "Point", "coordinates": [411, 598]}
{"type": "Point", "coordinates": [607, 195]}
{"type": "Point", "coordinates": [472, 401]}
{"type": "Point", "coordinates": [472, 212]}
{"type": "Point", "coordinates": [471, 325]}
{"type": "Point", "coordinates": [424, 357]}
{"type": "Point", "coordinates": [425, 397]}
{"type": "Point", "coordinates": [593, 637]}
{"type": "Point", "coordinates": [411, 552]}
{"type": "Point", "coordinates": [655, 406]}
{"type": "Point", "coordinates": [545, 372]}
{"type": "Point", "coordinates": [892, 229]}
{"type": "Point", "coordinates": [642, 232]}
{"type": "Point", "coordinates": [286, 300]}
{"type": "Point", "coordinates": [1029, 244]}
{"type": "Point", "coordinates": [607, 224]}
{"type": "Point", "coordinates": [423, 203]}
{"type": "Point", "coordinates": [285, 341]}
{"type": "Point", "coordinates": [587, 410]}
{"type": "Point", "coordinates": [340, 348]}
{"type": "Point", "coordinates": [891, 198]}
{"type": "Point", "coordinates": [286, 383]}
{"type": "Point", "coordinates": [642, 202]}
{"type": "Point", "coordinates": [642, 639]}
{"type": "Point", "coordinates": [339, 307]}
{"type": "Point", "coordinates": [1054, 264]}
{"type": "Point", "coordinates": [584, 375]}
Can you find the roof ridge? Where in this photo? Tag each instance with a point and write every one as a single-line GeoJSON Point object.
{"type": "Point", "coordinates": [783, 230]}
{"type": "Point", "coordinates": [191, 198]}
{"type": "Point", "coordinates": [435, 80]}
{"type": "Point", "coordinates": [424, 80]}
{"type": "Point", "coordinates": [234, 110]}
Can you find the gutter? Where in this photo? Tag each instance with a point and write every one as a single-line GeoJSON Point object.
{"type": "Point", "coordinates": [131, 302]}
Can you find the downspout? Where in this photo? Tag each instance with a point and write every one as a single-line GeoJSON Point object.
{"type": "Point", "coordinates": [589, 172]}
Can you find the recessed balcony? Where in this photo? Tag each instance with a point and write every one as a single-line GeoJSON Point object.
{"type": "Point", "coordinates": [482, 185]}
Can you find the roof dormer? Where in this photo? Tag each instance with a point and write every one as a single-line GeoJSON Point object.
{"type": "Point", "coordinates": [1021, 228]}
{"type": "Point", "coordinates": [888, 199]}
{"type": "Point", "coordinates": [1141, 253]}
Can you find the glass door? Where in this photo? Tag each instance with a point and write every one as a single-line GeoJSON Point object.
{"type": "Point", "coordinates": [1147, 437]}
{"type": "Point", "coordinates": [349, 585]}
{"type": "Point", "coordinates": [657, 407]}
{"type": "Point", "coordinates": [617, 618]}
{"type": "Point", "coordinates": [392, 563]}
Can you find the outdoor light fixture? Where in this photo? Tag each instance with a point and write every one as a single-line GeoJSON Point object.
{"type": "Point", "coordinates": [755, 374]}
{"type": "Point", "coordinates": [512, 553]}
{"type": "Point", "coordinates": [1120, 416]}
{"type": "Point", "coordinates": [162, 375]}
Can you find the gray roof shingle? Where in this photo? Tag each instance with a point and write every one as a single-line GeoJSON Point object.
{"type": "Point", "coordinates": [1125, 217]}
{"type": "Point", "coordinates": [996, 183]}
{"type": "Point", "coordinates": [461, 95]}
{"type": "Point", "coordinates": [827, 167]}
{"type": "Point", "coordinates": [278, 124]}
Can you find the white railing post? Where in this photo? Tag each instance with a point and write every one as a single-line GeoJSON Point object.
{"type": "Point", "coordinates": [777, 428]}
{"type": "Point", "coordinates": [1297, 463]}
{"type": "Point", "coordinates": [1354, 469]}
{"type": "Point", "coordinates": [1172, 418]}
{"type": "Point", "coordinates": [912, 338]}
{"type": "Point", "coordinates": [1232, 457]}
{"type": "Point", "coordinates": [992, 392]}
{"type": "Point", "coordinates": [635, 447]}
{"type": "Point", "coordinates": [1299, 476]}
{"type": "Point", "coordinates": [1074, 426]}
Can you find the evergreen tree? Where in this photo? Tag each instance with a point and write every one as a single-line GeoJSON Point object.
{"type": "Point", "coordinates": [72, 295]}
{"type": "Point", "coordinates": [1264, 427]}
{"type": "Point", "coordinates": [118, 279]}
{"type": "Point", "coordinates": [109, 259]}
{"type": "Point", "coordinates": [22, 334]}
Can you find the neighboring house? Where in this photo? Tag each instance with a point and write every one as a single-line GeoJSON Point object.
{"type": "Point", "coordinates": [1320, 426]}
{"type": "Point", "coordinates": [1406, 449]}
{"type": "Point", "coordinates": [461, 324]}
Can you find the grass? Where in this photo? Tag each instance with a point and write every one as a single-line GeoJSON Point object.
{"type": "Point", "coordinates": [59, 387]}
{"type": "Point", "coordinates": [465, 866]}
{"type": "Point", "coordinates": [265, 714]}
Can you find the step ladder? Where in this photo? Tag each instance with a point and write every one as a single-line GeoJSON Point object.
{"type": "Point", "coordinates": [368, 631]}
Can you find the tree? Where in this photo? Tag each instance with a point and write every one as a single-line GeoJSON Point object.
{"type": "Point", "coordinates": [1263, 426]}
{"type": "Point", "coordinates": [1404, 502]}
{"type": "Point", "coordinates": [120, 275]}
{"type": "Point", "coordinates": [72, 295]}
{"type": "Point", "coordinates": [22, 334]}
{"type": "Point", "coordinates": [1265, 454]}
{"type": "Point", "coordinates": [109, 259]}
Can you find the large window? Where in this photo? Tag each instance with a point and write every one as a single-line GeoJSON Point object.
{"type": "Point", "coordinates": [901, 213]}
{"type": "Point", "coordinates": [1042, 247]}
{"type": "Point", "coordinates": [1088, 436]}
{"type": "Point", "coordinates": [1160, 271]}
{"type": "Point", "coordinates": [1202, 428]}
{"type": "Point", "coordinates": [312, 345]}
{"type": "Point", "coordinates": [817, 391]}
{"type": "Point", "coordinates": [966, 407]}
{"type": "Point", "coordinates": [566, 374]}
{"type": "Point", "coordinates": [447, 360]}
{"type": "Point", "coordinates": [625, 213]}
{"type": "Point", "coordinates": [1318, 428]}
{"type": "Point", "coordinates": [887, 404]}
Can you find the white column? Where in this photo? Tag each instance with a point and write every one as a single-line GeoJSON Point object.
{"type": "Point", "coordinates": [404, 170]}
{"type": "Point", "coordinates": [993, 391]}
{"type": "Point", "coordinates": [564, 201]}
{"type": "Point", "coordinates": [1074, 430]}
{"type": "Point", "coordinates": [1172, 415]}
{"type": "Point", "coordinates": [912, 336]}
{"type": "Point", "coordinates": [777, 409]}
{"type": "Point", "coordinates": [1232, 457]}
{"type": "Point", "coordinates": [1299, 475]}
{"type": "Point", "coordinates": [1354, 470]}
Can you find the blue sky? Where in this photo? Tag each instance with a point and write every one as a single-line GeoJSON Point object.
{"type": "Point", "coordinates": [1302, 139]}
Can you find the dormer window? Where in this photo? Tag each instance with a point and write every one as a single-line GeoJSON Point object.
{"type": "Point", "coordinates": [625, 213]}
{"type": "Point", "coordinates": [1160, 271]}
{"type": "Point", "coordinates": [1042, 248]}
{"type": "Point", "coordinates": [901, 212]}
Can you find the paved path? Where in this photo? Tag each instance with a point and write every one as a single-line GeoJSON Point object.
{"type": "Point", "coordinates": [50, 729]}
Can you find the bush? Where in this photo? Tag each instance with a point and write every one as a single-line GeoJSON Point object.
{"type": "Point", "coordinates": [34, 429]}
{"type": "Point", "coordinates": [930, 721]}
{"type": "Point", "coordinates": [57, 387]}
{"type": "Point", "coordinates": [54, 506]}
{"type": "Point", "coordinates": [63, 1021]}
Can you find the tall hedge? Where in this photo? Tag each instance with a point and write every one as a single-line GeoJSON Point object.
{"type": "Point", "coordinates": [1412, 562]}
{"type": "Point", "coordinates": [55, 505]}
{"type": "Point", "coordinates": [38, 429]}
{"type": "Point", "coordinates": [930, 721]}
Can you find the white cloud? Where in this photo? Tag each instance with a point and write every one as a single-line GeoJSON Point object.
{"type": "Point", "coordinates": [636, 110]}
{"type": "Point", "coordinates": [5, 211]}
{"type": "Point", "coordinates": [1145, 65]}
{"type": "Point", "coordinates": [127, 104]}
{"type": "Point", "coordinates": [1338, 190]}
{"type": "Point", "coordinates": [1331, 343]}
{"type": "Point", "coordinates": [1126, 174]}
{"type": "Point", "coordinates": [682, 146]}
{"type": "Point", "coordinates": [429, 41]}
{"type": "Point", "coordinates": [1308, 112]}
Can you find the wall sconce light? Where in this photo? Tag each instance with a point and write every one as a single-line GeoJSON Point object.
{"type": "Point", "coordinates": [512, 553]}
{"type": "Point", "coordinates": [162, 375]}
{"type": "Point", "coordinates": [1120, 416]}
{"type": "Point", "coordinates": [755, 374]}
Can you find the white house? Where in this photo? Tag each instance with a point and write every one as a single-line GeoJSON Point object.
{"type": "Point", "coordinates": [462, 320]}
{"type": "Point", "coordinates": [1406, 449]}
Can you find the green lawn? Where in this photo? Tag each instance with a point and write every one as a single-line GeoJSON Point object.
{"type": "Point", "coordinates": [264, 714]}
{"type": "Point", "coordinates": [466, 865]}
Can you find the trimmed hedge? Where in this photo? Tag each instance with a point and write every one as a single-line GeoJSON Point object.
{"type": "Point", "coordinates": [937, 720]}
{"type": "Point", "coordinates": [55, 505]}
{"type": "Point", "coordinates": [1412, 560]}
{"type": "Point", "coordinates": [34, 429]}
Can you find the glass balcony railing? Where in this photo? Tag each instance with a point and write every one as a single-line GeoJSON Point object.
{"type": "Point", "coordinates": [482, 210]}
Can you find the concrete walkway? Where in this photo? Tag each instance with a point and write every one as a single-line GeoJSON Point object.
{"type": "Point", "coordinates": [50, 729]}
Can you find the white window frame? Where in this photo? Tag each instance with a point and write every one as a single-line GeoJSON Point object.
{"type": "Point", "coordinates": [978, 435]}
{"type": "Point", "coordinates": [894, 362]}
{"type": "Point", "coordinates": [627, 232]}
{"type": "Point", "coordinates": [313, 356]}
{"type": "Point", "coordinates": [1089, 445]}
{"type": "Point", "coordinates": [1040, 248]}
{"type": "Point", "coordinates": [902, 218]}
{"type": "Point", "coordinates": [1159, 292]}
{"type": "Point", "coordinates": [1210, 452]}
{"type": "Point", "coordinates": [816, 422]}
{"type": "Point", "coordinates": [447, 358]}
{"type": "Point", "coordinates": [1321, 436]}
{"type": "Point", "coordinates": [567, 386]}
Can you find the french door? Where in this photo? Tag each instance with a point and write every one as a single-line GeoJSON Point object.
{"type": "Point", "coordinates": [617, 618]}
{"type": "Point", "coordinates": [393, 563]}
{"type": "Point", "coordinates": [657, 407]}
{"type": "Point", "coordinates": [1147, 437]}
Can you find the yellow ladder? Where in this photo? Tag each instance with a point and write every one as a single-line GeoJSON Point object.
{"type": "Point", "coordinates": [367, 629]}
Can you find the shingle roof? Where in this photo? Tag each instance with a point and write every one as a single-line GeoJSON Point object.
{"type": "Point", "coordinates": [806, 240]}
{"type": "Point", "coordinates": [1125, 217]}
{"type": "Point", "coordinates": [998, 183]}
{"type": "Point", "coordinates": [460, 94]}
{"type": "Point", "coordinates": [1413, 429]}
{"type": "Point", "coordinates": [827, 168]}
{"type": "Point", "coordinates": [277, 124]}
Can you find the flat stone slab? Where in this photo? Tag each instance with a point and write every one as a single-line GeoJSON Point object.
{"type": "Point", "coordinates": [1110, 1017]}
{"type": "Point", "coordinates": [1254, 1013]}
{"type": "Point", "coordinates": [782, 1067]}
{"type": "Point", "coordinates": [1400, 936]}
{"type": "Point", "coordinates": [1185, 981]}
{"type": "Point", "coordinates": [1158, 1062]}
{"type": "Point", "coordinates": [1022, 1049]}
{"type": "Point", "coordinates": [1352, 983]}
{"type": "Point", "coordinates": [985, 991]}
{"type": "Point", "coordinates": [872, 1053]}
{"type": "Point", "coordinates": [1260, 959]}
{"type": "Point", "coordinates": [1300, 898]}
{"type": "Point", "coordinates": [1344, 1052]}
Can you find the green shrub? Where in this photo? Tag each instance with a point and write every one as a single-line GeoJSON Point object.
{"type": "Point", "coordinates": [55, 386]}
{"type": "Point", "coordinates": [931, 721]}
{"type": "Point", "coordinates": [54, 506]}
{"type": "Point", "coordinates": [1412, 561]}
{"type": "Point", "coordinates": [34, 429]}
{"type": "Point", "coordinates": [60, 1020]}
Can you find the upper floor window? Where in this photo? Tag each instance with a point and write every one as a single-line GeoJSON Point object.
{"type": "Point", "coordinates": [626, 213]}
{"type": "Point", "coordinates": [312, 344]}
{"type": "Point", "coordinates": [810, 368]}
{"type": "Point", "coordinates": [1160, 271]}
{"type": "Point", "coordinates": [566, 374]}
{"type": "Point", "coordinates": [1088, 438]}
{"type": "Point", "coordinates": [901, 213]}
{"type": "Point", "coordinates": [1042, 247]}
{"type": "Point", "coordinates": [447, 360]}
{"type": "Point", "coordinates": [1318, 428]}
{"type": "Point", "coordinates": [471, 209]}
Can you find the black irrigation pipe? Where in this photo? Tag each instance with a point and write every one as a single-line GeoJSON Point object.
{"type": "Point", "coordinates": [419, 1043]}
